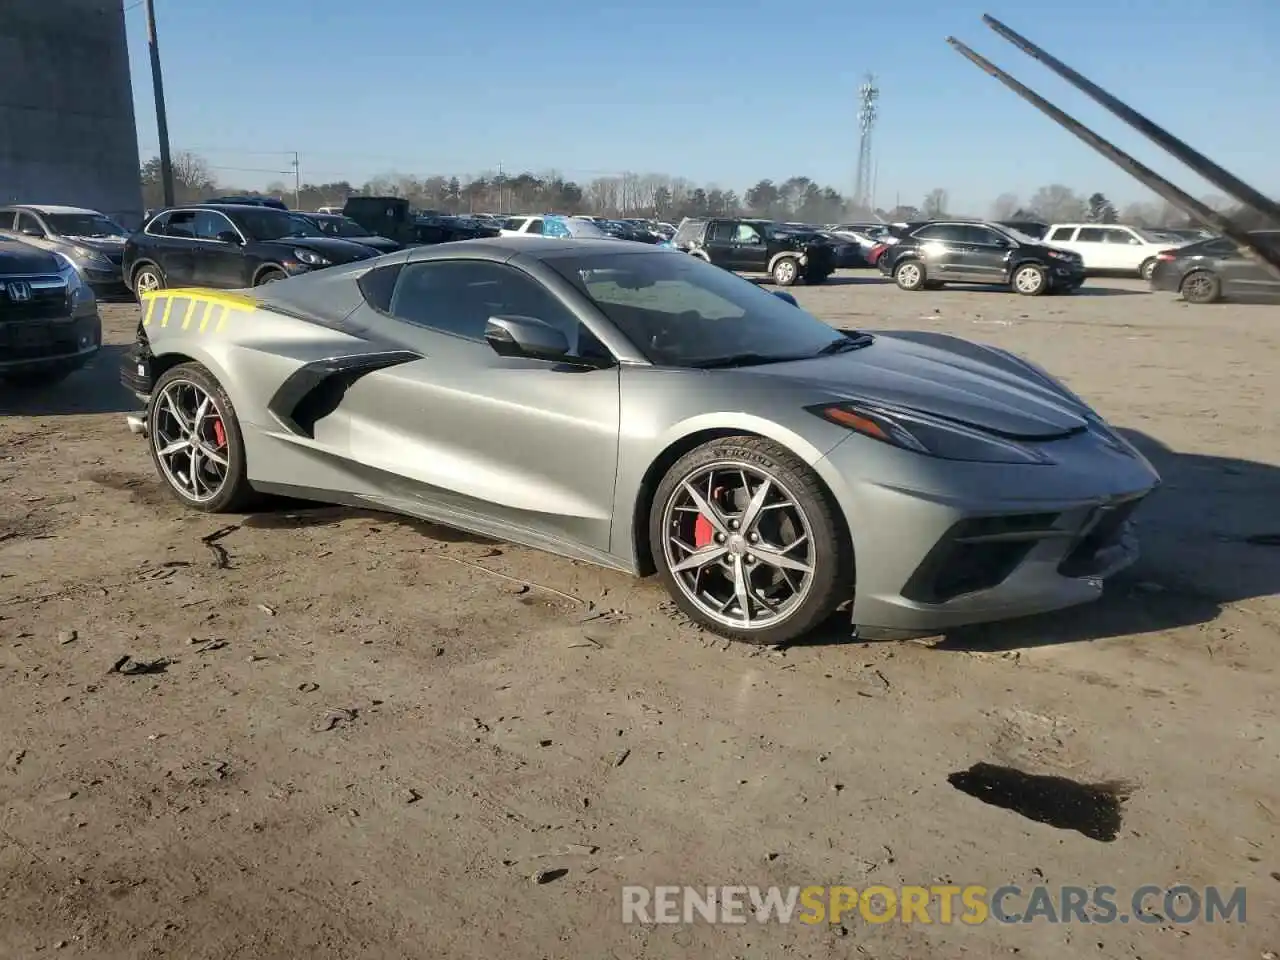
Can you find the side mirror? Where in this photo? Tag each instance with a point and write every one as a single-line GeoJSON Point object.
{"type": "Point", "coordinates": [513, 336]}
{"type": "Point", "coordinates": [783, 295]}
{"type": "Point", "coordinates": [32, 232]}
{"type": "Point", "coordinates": [228, 236]}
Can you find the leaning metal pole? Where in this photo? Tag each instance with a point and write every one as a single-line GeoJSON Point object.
{"type": "Point", "coordinates": [1224, 180]}
{"type": "Point", "coordinates": [1139, 171]}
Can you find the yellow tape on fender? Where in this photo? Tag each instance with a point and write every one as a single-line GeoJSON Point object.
{"type": "Point", "coordinates": [195, 310]}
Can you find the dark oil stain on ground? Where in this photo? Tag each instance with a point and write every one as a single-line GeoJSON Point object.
{"type": "Point", "coordinates": [299, 518]}
{"type": "Point", "coordinates": [148, 491]}
{"type": "Point", "coordinates": [1093, 809]}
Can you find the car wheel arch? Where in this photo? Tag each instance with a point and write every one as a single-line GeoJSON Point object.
{"type": "Point", "coordinates": [782, 255]}
{"type": "Point", "coordinates": [270, 266]}
{"type": "Point", "coordinates": [139, 265]}
{"type": "Point", "coordinates": [642, 549]}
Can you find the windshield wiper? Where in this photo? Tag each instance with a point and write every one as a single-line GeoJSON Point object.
{"type": "Point", "coordinates": [741, 360]}
{"type": "Point", "coordinates": [844, 344]}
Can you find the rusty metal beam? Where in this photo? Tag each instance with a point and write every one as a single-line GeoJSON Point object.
{"type": "Point", "coordinates": [1138, 170]}
{"type": "Point", "coordinates": [1222, 179]}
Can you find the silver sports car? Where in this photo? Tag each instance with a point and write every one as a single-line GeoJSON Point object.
{"type": "Point", "coordinates": [643, 410]}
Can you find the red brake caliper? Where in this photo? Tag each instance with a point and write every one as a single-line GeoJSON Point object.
{"type": "Point", "coordinates": [703, 531]}
{"type": "Point", "coordinates": [219, 432]}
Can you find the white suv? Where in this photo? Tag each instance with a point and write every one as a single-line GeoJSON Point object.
{"type": "Point", "coordinates": [1111, 247]}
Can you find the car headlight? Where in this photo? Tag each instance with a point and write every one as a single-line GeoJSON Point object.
{"type": "Point", "coordinates": [311, 258]}
{"type": "Point", "coordinates": [930, 436]}
{"type": "Point", "coordinates": [77, 290]}
{"type": "Point", "coordinates": [89, 256]}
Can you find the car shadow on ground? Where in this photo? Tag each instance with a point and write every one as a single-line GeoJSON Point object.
{"type": "Point", "coordinates": [1210, 536]}
{"type": "Point", "coordinates": [856, 281]}
{"type": "Point", "coordinates": [95, 388]}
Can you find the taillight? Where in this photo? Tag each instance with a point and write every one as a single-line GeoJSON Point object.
{"type": "Point", "coordinates": [1167, 256]}
{"type": "Point", "coordinates": [875, 252]}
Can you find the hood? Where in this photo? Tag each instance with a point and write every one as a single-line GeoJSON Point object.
{"type": "Point", "coordinates": [339, 251]}
{"type": "Point", "coordinates": [381, 244]}
{"type": "Point", "coordinates": [19, 257]}
{"type": "Point", "coordinates": [945, 376]}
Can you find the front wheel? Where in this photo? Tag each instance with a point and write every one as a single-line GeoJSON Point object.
{"type": "Point", "coordinates": [196, 442]}
{"type": "Point", "coordinates": [786, 271]}
{"type": "Point", "coordinates": [909, 275]}
{"type": "Point", "coordinates": [1030, 280]}
{"type": "Point", "coordinates": [270, 275]}
{"type": "Point", "coordinates": [147, 279]}
{"type": "Point", "coordinates": [748, 543]}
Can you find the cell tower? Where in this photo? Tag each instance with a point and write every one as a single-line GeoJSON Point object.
{"type": "Point", "coordinates": [868, 94]}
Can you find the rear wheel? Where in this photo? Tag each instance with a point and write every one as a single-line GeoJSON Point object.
{"type": "Point", "coordinates": [1201, 287]}
{"type": "Point", "coordinates": [1030, 280]}
{"type": "Point", "coordinates": [196, 442]}
{"type": "Point", "coordinates": [909, 275]}
{"type": "Point", "coordinates": [786, 271]}
{"type": "Point", "coordinates": [1147, 269]}
{"type": "Point", "coordinates": [747, 541]}
{"type": "Point", "coordinates": [148, 278]}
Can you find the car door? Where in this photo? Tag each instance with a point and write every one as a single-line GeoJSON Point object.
{"type": "Point", "coordinates": [1091, 244]}
{"type": "Point", "coordinates": [750, 250]}
{"type": "Point", "coordinates": [1247, 279]}
{"type": "Point", "coordinates": [532, 443]}
{"type": "Point", "coordinates": [986, 254]}
{"type": "Point", "coordinates": [718, 243]}
{"type": "Point", "coordinates": [217, 260]}
{"type": "Point", "coordinates": [173, 249]}
{"type": "Point", "coordinates": [1124, 249]}
{"type": "Point", "coordinates": [942, 246]}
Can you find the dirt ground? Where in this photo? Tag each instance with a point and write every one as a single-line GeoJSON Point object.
{"type": "Point", "coordinates": [365, 745]}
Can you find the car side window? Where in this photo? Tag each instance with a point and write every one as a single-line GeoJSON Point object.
{"type": "Point", "coordinates": [182, 224]}
{"type": "Point", "coordinates": [1063, 234]}
{"type": "Point", "coordinates": [535, 226]}
{"type": "Point", "coordinates": [723, 230]}
{"type": "Point", "coordinates": [27, 222]}
{"type": "Point", "coordinates": [748, 234]}
{"type": "Point", "coordinates": [513, 223]}
{"type": "Point", "coordinates": [983, 235]}
{"type": "Point", "coordinates": [1119, 236]}
{"type": "Point", "coordinates": [7, 219]}
{"type": "Point", "coordinates": [1091, 235]}
{"type": "Point", "coordinates": [458, 297]}
{"type": "Point", "coordinates": [207, 225]}
{"type": "Point", "coordinates": [946, 232]}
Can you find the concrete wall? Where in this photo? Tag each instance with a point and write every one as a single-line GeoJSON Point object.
{"type": "Point", "coordinates": [67, 131]}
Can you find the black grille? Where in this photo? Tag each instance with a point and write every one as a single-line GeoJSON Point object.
{"type": "Point", "coordinates": [959, 563]}
{"type": "Point", "coordinates": [1080, 561]}
{"type": "Point", "coordinates": [48, 299]}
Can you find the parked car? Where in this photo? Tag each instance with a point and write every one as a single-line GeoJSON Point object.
{"type": "Point", "coordinates": [49, 323]}
{"type": "Point", "coordinates": [91, 240]}
{"type": "Point", "coordinates": [1110, 248]}
{"type": "Point", "coordinates": [556, 226]}
{"type": "Point", "coordinates": [229, 247]}
{"type": "Point", "coordinates": [758, 246]}
{"type": "Point", "coordinates": [847, 250]}
{"type": "Point", "coordinates": [629, 406]}
{"type": "Point", "coordinates": [1214, 270]}
{"type": "Point", "coordinates": [331, 210]}
{"type": "Point", "coordinates": [931, 254]}
{"type": "Point", "coordinates": [336, 225]}
{"type": "Point", "coordinates": [247, 201]}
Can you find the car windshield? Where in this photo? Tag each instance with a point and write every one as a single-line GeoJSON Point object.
{"type": "Point", "coordinates": [84, 225]}
{"type": "Point", "coordinates": [344, 227]}
{"type": "Point", "coordinates": [682, 312]}
{"type": "Point", "coordinates": [266, 224]}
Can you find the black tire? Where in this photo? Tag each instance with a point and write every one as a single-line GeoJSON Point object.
{"type": "Point", "coordinates": [832, 577]}
{"type": "Point", "coordinates": [1201, 286]}
{"type": "Point", "coordinates": [909, 275]}
{"type": "Point", "coordinates": [148, 269]}
{"type": "Point", "coordinates": [236, 494]}
{"type": "Point", "coordinates": [269, 275]}
{"type": "Point", "coordinates": [1030, 280]}
{"type": "Point", "coordinates": [785, 271]}
{"type": "Point", "coordinates": [1147, 269]}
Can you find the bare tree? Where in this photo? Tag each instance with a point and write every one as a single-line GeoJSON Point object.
{"type": "Point", "coordinates": [1059, 204]}
{"type": "Point", "coordinates": [935, 203]}
{"type": "Point", "coordinates": [1004, 207]}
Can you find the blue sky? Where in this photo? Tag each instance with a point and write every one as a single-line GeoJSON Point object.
{"type": "Point", "coordinates": [715, 91]}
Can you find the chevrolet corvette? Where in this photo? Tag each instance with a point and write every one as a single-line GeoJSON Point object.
{"type": "Point", "coordinates": [640, 409]}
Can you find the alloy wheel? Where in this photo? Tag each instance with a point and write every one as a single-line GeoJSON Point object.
{"type": "Point", "coordinates": [1198, 288]}
{"type": "Point", "coordinates": [148, 281]}
{"type": "Point", "coordinates": [739, 545]}
{"type": "Point", "coordinates": [785, 272]}
{"type": "Point", "coordinates": [1028, 280]}
{"type": "Point", "coordinates": [908, 275]}
{"type": "Point", "coordinates": [190, 440]}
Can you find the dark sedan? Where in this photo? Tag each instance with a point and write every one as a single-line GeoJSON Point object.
{"type": "Point", "coordinates": [336, 225]}
{"type": "Point", "coordinates": [1214, 270]}
{"type": "Point", "coordinates": [230, 247]}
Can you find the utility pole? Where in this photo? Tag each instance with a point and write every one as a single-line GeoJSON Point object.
{"type": "Point", "coordinates": [162, 119]}
{"type": "Point", "coordinates": [297, 182]}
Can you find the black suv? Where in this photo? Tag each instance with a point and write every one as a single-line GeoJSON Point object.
{"type": "Point", "coordinates": [787, 254]}
{"type": "Point", "coordinates": [954, 251]}
{"type": "Point", "coordinates": [228, 246]}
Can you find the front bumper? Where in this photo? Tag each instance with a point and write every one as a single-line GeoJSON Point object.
{"type": "Point", "coordinates": [33, 346]}
{"type": "Point", "coordinates": [941, 544]}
